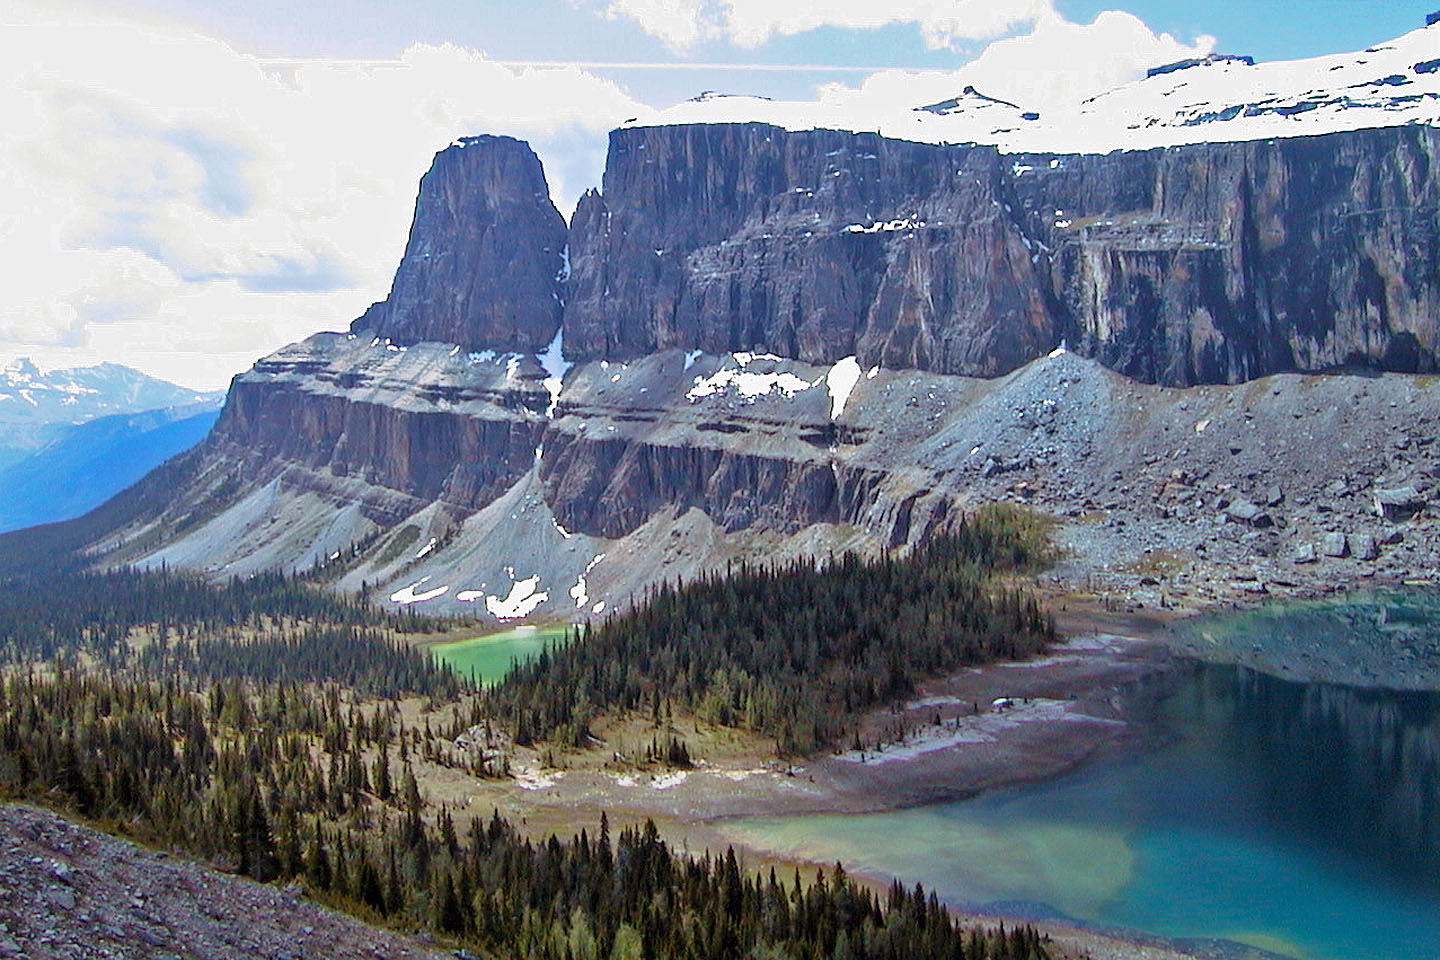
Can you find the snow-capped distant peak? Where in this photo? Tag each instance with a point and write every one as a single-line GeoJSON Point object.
{"type": "Point", "coordinates": [1210, 98]}
{"type": "Point", "coordinates": [972, 99]}
{"type": "Point", "coordinates": [83, 393]}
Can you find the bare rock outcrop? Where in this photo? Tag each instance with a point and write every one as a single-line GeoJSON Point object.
{"type": "Point", "coordinates": [486, 248]}
{"type": "Point", "coordinates": [1208, 263]}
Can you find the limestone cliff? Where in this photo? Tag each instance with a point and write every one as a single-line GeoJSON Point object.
{"type": "Point", "coordinates": [1205, 263]}
{"type": "Point", "coordinates": [755, 341]}
{"type": "Point", "coordinates": [485, 248]}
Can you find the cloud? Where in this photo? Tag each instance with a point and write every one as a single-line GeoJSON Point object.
{"type": "Point", "coordinates": [681, 24]}
{"type": "Point", "coordinates": [176, 205]}
{"type": "Point", "coordinates": [1057, 63]}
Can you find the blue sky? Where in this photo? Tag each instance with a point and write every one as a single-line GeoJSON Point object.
{"type": "Point", "coordinates": [579, 30]}
{"type": "Point", "coordinates": [191, 184]}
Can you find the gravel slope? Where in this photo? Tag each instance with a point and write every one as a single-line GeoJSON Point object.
{"type": "Point", "coordinates": [71, 893]}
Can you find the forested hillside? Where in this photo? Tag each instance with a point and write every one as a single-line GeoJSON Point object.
{"type": "Point", "coordinates": [798, 651]}
{"type": "Point", "coordinates": [277, 729]}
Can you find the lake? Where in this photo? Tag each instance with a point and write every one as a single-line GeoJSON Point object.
{"type": "Point", "coordinates": [490, 657]}
{"type": "Point", "coordinates": [1302, 819]}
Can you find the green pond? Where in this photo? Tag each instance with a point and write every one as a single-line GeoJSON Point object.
{"type": "Point", "coordinates": [489, 658]}
{"type": "Point", "coordinates": [1295, 819]}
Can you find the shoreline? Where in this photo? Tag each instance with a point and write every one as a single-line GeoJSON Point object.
{"type": "Point", "coordinates": [1089, 698]}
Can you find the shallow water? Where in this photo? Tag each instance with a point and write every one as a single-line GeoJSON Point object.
{"type": "Point", "coordinates": [1302, 819]}
{"type": "Point", "coordinates": [489, 658]}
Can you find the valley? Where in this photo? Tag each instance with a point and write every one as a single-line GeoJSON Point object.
{"type": "Point", "coordinates": [1036, 508]}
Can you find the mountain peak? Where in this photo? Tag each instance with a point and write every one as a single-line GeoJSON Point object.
{"type": "Point", "coordinates": [21, 369]}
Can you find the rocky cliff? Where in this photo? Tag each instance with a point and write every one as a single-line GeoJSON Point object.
{"type": "Point", "coordinates": [1207, 263]}
{"type": "Point", "coordinates": [760, 342]}
{"type": "Point", "coordinates": [485, 249]}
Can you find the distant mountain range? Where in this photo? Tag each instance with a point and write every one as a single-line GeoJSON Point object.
{"type": "Point", "coordinates": [35, 407]}
{"type": "Point", "coordinates": [72, 438]}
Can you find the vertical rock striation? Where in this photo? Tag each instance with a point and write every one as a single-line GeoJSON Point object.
{"type": "Point", "coordinates": [486, 247]}
{"type": "Point", "coordinates": [1183, 265]}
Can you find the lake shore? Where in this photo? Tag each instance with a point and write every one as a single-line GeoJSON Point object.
{"type": "Point", "coordinates": [984, 728]}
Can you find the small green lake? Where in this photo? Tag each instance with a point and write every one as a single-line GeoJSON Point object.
{"type": "Point", "coordinates": [489, 658]}
{"type": "Point", "coordinates": [1298, 819]}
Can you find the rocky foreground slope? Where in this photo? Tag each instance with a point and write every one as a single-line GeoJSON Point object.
{"type": "Point", "coordinates": [71, 893]}
{"type": "Point", "coordinates": [1211, 360]}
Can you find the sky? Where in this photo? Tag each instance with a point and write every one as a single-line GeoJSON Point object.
{"type": "Point", "coordinates": [187, 185]}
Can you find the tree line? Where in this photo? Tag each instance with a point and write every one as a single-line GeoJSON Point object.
{"type": "Point", "coordinates": [793, 651]}
{"type": "Point", "coordinates": [289, 781]}
{"type": "Point", "coordinates": [67, 611]}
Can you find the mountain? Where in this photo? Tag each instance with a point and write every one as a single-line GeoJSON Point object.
{"type": "Point", "coordinates": [88, 463]}
{"type": "Point", "coordinates": [1200, 350]}
{"type": "Point", "coordinates": [1219, 98]}
{"type": "Point", "coordinates": [36, 408]}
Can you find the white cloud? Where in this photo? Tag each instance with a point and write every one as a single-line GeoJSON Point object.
{"type": "Point", "coordinates": [750, 23]}
{"type": "Point", "coordinates": [178, 206]}
{"type": "Point", "coordinates": [1056, 63]}
{"type": "Point", "coordinates": [679, 23]}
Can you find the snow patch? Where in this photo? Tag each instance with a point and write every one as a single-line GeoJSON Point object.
{"type": "Point", "coordinates": [553, 362]}
{"type": "Point", "coordinates": [1213, 100]}
{"type": "Point", "coordinates": [986, 727]}
{"type": "Point", "coordinates": [530, 778]}
{"type": "Point", "coordinates": [427, 548]}
{"type": "Point", "coordinates": [524, 596]}
{"type": "Point", "coordinates": [886, 226]}
{"type": "Point", "coordinates": [840, 381]}
{"type": "Point", "coordinates": [691, 357]}
{"type": "Point", "coordinates": [668, 780]}
{"type": "Point", "coordinates": [749, 384]}
{"type": "Point", "coordinates": [580, 593]}
{"type": "Point", "coordinates": [408, 595]}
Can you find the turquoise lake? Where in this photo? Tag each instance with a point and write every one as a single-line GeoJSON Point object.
{"type": "Point", "coordinates": [488, 658]}
{"type": "Point", "coordinates": [1298, 819]}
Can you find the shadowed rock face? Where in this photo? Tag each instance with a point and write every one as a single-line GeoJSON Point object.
{"type": "Point", "coordinates": [1200, 265]}
{"type": "Point", "coordinates": [485, 248]}
{"type": "Point", "coordinates": [1210, 263]}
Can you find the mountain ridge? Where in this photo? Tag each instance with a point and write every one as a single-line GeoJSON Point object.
{"type": "Point", "coordinates": [786, 343]}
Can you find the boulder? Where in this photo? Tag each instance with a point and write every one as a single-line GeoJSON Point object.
{"type": "Point", "coordinates": [1245, 511]}
{"type": "Point", "coordinates": [1399, 503]}
{"type": "Point", "coordinates": [1362, 546]}
{"type": "Point", "coordinates": [1334, 545]}
{"type": "Point", "coordinates": [1305, 553]}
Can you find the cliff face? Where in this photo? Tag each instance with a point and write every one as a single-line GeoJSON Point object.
{"type": "Point", "coordinates": [334, 412]}
{"type": "Point", "coordinates": [448, 436]}
{"type": "Point", "coordinates": [813, 245]}
{"type": "Point", "coordinates": [1203, 263]}
{"type": "Point", "coordinates": [485, 248]}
